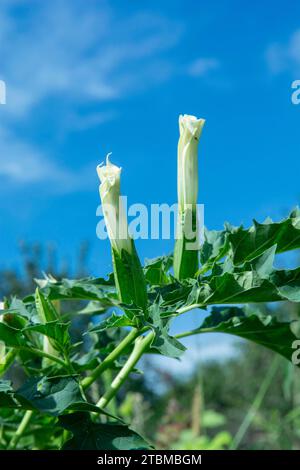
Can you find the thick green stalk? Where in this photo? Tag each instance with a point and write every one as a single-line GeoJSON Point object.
{"type": "Point", "coordinates": [107, 380]}
{"type": "Point", "coordinates": [108, 361]}
{"type": "Point", "coordinates": [129, 277]}
{"type": "Point", "coordinates": [140, 347]}
{"type": "Point", "coordinates": [19, 432]}
{"type": "Point", "coordinates": [186, 252]}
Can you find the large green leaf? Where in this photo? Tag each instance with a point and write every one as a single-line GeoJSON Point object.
{"type": "Point", "coordinates": [246, 244]}
{"type": "Point", "coordinates": [114, 321]}
{"type": "Point", "coordinates": [12, 337]}
{"type": "Point", "coordinates": [214, 247]}
{"type": "Point", "coordinates": [57, 331]}
{"type": "Point", "coordinates": [45, 308]}
{"type": "Point", "coordinates": [95, 436]}
{"type": "Point", "coordinates": [163, 342]}
{"type": "Point", "coordinates": [157, 270]}
{"type": "Point", "coordinates": [264, 330]}
{"type": "Point", "coordinates": [250, 287]}
{"type": "Point", "coordinates": [52, 395]}
{"type": "Point", "coordinates": [250, 243]}
{"type": "Point", "coordinates": [255, 281]}
{"type": "Point", "coordinates": [7, 399]}
{"type": "Point", "coordinates": [96, 289]}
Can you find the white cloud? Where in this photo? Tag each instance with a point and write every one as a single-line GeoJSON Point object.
{"type": "Point", "coordinates": [75, 54]}
{"type": "Point", "coordinates": [22, 163]}
{"type": "Point", "coordinates": [202, 66]}
{"type": "Point", "coordinates": [78, 53]}
{"type": "Point", "coordinates": [285, 57]}
{"type": "Point", "coordinates": [80, 121]}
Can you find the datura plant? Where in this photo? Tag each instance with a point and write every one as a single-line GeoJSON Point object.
{"type": "Point", "coordinates": [63, 397]}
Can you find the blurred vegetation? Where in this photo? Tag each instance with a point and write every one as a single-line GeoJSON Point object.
{"type": "Point", "coordinates": [251, 401]}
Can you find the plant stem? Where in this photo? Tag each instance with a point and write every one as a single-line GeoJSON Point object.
{"type": "Point", "coordinates": [87, 381]}
{"type": "Point", "coordinates": [255, 404]}
{"type": "Point", "coordinates": [197, 331]}
{"type": "Point", "coordinates": [107, 380]}
{"type": "Point", "coordinates": [40, 353]}
{"type": "Point", "coordinates": [19, 432]}
{"type": "Point", "coordinates": [188, 308]}
{"type": "Point", "coordinates": [141, 345]}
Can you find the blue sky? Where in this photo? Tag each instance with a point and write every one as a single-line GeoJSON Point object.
{"type": "Point", "coordinates": [87, 77]}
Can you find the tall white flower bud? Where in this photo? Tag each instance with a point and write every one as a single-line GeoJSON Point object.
{"type": "Point", "coordinates": [186, 252]}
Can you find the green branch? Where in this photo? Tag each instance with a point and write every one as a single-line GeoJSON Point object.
{"type": "Point", "coordinates": [108, 361]}
{"type": "Point", "coordinates": [19, 432]}
{"type": "Point", "coordinates": [140, 347]}
{"type": "Point", "coordinates": [40, 353]}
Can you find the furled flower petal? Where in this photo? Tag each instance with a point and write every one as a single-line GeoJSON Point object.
{"type": "Point", "coordinates": [190, 130]}
{"type": "Point", "coordinates": [113, 209]}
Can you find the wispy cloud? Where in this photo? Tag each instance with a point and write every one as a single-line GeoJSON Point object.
{"type": "Point", "coordinates": [285, 57]}
{"type": "Point", "coordinates": [22, 163]}
{"type": "Point", "coordinates": [202, 66]}
{"type": "Point", "coordinates": [74, 53]}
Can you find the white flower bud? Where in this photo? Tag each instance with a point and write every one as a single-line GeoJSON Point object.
{"type": "Point", "coordinates": [113, 209]}
{"type": "Point", "coordinates": [190, 130]}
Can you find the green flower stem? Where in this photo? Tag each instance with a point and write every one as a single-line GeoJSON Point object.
{"type": "Point", "coordinates": [19, 432]}
{"type": "Point", "coordinates": [186, 261]}
{"type": "Point", "coordinates": [108, 377]}
{"type": "Point", "coordinates": [87, 381]}
{"type": "Point", "coordinates": [140, 347]}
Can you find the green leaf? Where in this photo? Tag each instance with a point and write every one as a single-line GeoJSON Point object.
{"type": "Point", "coordinates": [256, 284]}
{"type": "Point", "coordinates": [57, 331]}
{"type": "Point", "coordinates": [250, 287]}
{"type": "Point", "coordinates": [18, 306]}
{"type": "Point", "coordinates": [157, 270]}
{"type": "Point", "coordinates": [48, 395]}
{"type": "Point", "coordinates": [52, 395]}
{"type": "Point", "coordinates": [114, 321]}
{"type": "Point", "coordinates": [45, 308]}
{"type": "Point", "coordinates": [12, 337]}
{"type": "Point", "coordinates": [96, 289]}
{"type": "Point", "coordinates": [214, 247]}
{"type": "Point", "coordinates": [95, 436]}
{"type": "Point", "coordinates": [7, 399]}
{"type": "Point", "coordinates": [163, 342]}
{"type": "Point", "coordinates": [264, 330]}
{"type": "Point", "coordinates": [88, 361]}
{"type": "Point", "coordinates": [250, 243]}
